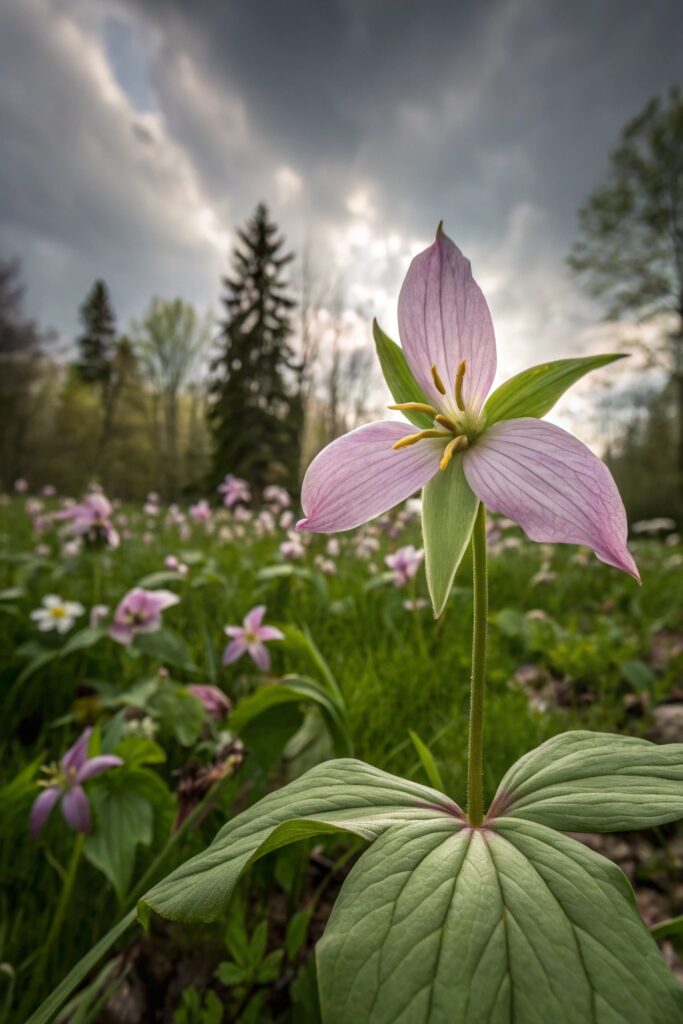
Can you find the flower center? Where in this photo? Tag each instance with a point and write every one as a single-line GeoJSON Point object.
{"type": "Point", "coordinates": [458, 431]}
{"type": "Point", "coordinates": [58, 612]}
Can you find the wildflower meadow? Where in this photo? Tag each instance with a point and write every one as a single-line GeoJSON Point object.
{"type": "Point", "coordinates": [260, 766]}
{"type": "Point", "coordinates": [341, 512]}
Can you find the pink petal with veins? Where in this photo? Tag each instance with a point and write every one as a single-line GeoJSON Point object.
{"type": "Point", "coordinates": [552, 486]}
{"type": "Point", "coordinates": [359, 476]}
{"type": "Point", "coordinates": [76, 810]}
{"type": "Point", "coordinates": [77, 754]}
{"type": "Point", "coordinates": [254, 618]}
{"type": "Point", "coordinates": [443, 318]}
{"type": "Point", "coordinates": [96, 765]}
{"type": "Point", "coordinates": [42, 806]}
{"type": "Point", "coordinates": [260, 656]}
{"type": "Point", "coordinates": [234, 650]}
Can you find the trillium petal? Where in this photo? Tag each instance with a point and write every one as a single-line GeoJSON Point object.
{"type": "Point", "coordinates": [96, 765]}
{"type": "Point", "coordinates": [254, 618]}
{"type": "Point", "coordinates": [234, 650]}
{"type": "Point", "coordinates": [77, 754]}
{"type": "Point", "coordinates": [549, 483]}
{"type": "Point", "coordinates": [270, 633]}
{"type": "Point", "coordinates": [260, 656]}
{"type": "Point", "coordinates": [42, 806]}
{"type": "Point", "coordinates": [162, 599]}
{"type": "Point", "coordinates": [443, 318]}
{"type": "Point", "coordinates": [76, 810]}
{"type": "Point", "coordinates": [359, 476]}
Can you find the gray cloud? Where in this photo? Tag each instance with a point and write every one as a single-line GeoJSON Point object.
{"type": "Point", "coordinates": [136, 135]}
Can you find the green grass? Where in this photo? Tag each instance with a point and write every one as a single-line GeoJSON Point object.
{"type": "Point", "coordinates": [398, 671]}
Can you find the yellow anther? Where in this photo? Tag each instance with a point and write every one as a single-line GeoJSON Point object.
{"type": "Point", "coordinates": [438, 383]}
{"type": "Point", "coordinates": [446, 422]}
{"type": "Point", "coordinates": [414, 438]}
{"type": "Point", "coordinates": [458, 444]}
{"type": "Point", "coordinates": [458, 385]}
{"type": "Point", "coordinates": [417, 406]}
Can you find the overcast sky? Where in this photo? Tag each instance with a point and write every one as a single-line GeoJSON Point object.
{"type": "Point", "coordinates": [136, 134]}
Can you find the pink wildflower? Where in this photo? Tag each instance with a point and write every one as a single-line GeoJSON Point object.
{"type": "Point", "coordinates": [250, 638]}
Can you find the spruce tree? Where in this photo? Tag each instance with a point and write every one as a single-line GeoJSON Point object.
{"type": "Point", "coordinates": [97, 344]}
{"type": "Point", "coordinates": [255, 409]}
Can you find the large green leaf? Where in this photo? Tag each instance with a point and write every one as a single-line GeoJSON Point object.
{"type": "Point", "coordinates": [594, 782]}
{"type": "Point", "coordinates": [533, 392]}
{"type": "Point", "coordinates": [167, 646]}
{"type": "Point", "coordinates": [344, 795]}
{"type": "Point", "coordinates": [297, 690]}
{"type": "Point", "coordinates": [439, 923]}
{"type": "Point", "coordinates": [399, 377]}
{"type": "Point", "coordinates": [124, 820]}
{"type": "Point", "coordinates": [449, 508]}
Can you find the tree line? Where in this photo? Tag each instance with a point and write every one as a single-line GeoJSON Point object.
{"type": "Point", "coordinates": [176, 401]}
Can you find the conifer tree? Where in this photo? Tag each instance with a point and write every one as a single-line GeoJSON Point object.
{"type": "Point", "coordinates": [255, 409]}
{"type": "Point", "coordinates": [96, 346]}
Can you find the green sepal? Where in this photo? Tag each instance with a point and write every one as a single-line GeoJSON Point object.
{"type": "Point", "coordinates": [533, 392]}
{"type": "Point", "coordinates": [399, 378]}
{"type": "Point", "coordinates": [449, 508]}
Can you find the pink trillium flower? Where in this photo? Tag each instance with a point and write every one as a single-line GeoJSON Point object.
{"type": "Point", "coordinates": [98, 614]}
{"type": "Point", "coordinates": [404, 563]}
{"type": "Point", "coordinates": [250, 638]}
{"type": "Point", "coordinates": [92, 519]}
{"type": "Point", "coordinates": [140, 612]}
{"type": "Point", "coordinates": [234, 490]}
{"type": "Point", "coordinates": [533, 472]}
{"type": "Point", "coordinates": [277, 496]}
{"type": "Point", "coordinates": [175, 565]}
{"type": "Point", "coordinates": [64, 783]}
{"type": "Point", "coordinates": [214, 700]}
{"type": "Point", "coordinates": [201, 512]}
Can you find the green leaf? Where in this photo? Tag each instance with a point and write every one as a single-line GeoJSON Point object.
{"type": "Point", "coordinates": [160, 579]}
{"type": "Point", "coordinates": [268, 970]}
{"type": "Point", "coordinates": [337, 796]}
{"type": "Point", "coordinates": [59, 995]}
{"type": "Point", "coordinates": [231, 974]}
{"type": "Point", "coordinates": [294, 689]}
{"type": "Point", "coordinates": [428, 763]}
{"type": "Point", "coordinates": [297, 930]}
{"type": "Point", "coordinates": [399, 377]}
{"type": "Point", "coordinates": [236, 937]}
{"type": "Point", "coordinates": [638, 674]}
{"type": "Point", "coordinates": [594, 782]}
{"type": "Point", "coordinates": [166, 646]}
{"type": "Point", "coordinates": [257, 945]}
{"type": "Point", "coordinates": [139, 750]}
{"type": "Point", "coordinates": [449, 508]}
{"type": "Point", "coordinates": [81, 640]}
{"type": "Point", "coordinates": [533, 392]}
{"type": "Point", "coordinates": [440, 923]}
{"type": "Point", "coordinates": [124, 820]}
{"type": "Point", "coordinates": [179, 711]}
{"type": "Point", "coordinates": [663, 929]}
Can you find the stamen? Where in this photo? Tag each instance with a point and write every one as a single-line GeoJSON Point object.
{"type": "Point", "coordinates": [445, 422]}
{"type": "Point", "coordinates": [417, 406]}
{"type": "Point", "coordinates": [458, 444]}
{"type": "Point", "coordinates": [458, 385]}
{"type": "Point", "coordinates": [438, 383]}
{"type": "Point", "coordinates": [414, 438]}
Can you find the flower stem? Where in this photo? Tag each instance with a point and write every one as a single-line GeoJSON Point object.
{"type": "Point", "coordinates": [475, 768]}
{"type": "Point", "coordinates": [65, 895]}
